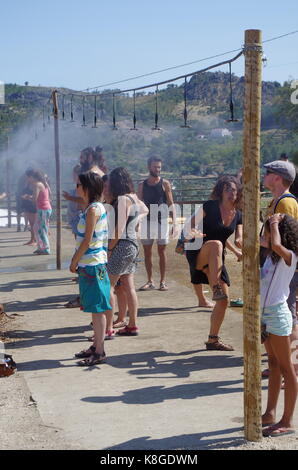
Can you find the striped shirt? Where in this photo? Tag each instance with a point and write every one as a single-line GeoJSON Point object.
{"type": "Point", "coordinates": [97, 251]}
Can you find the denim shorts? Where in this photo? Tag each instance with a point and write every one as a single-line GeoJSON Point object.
{"type": "Point", "coordinates": [278, 319]}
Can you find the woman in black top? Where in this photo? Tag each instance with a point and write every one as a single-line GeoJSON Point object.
{"type": "Point", "coordinates": [220, 220]}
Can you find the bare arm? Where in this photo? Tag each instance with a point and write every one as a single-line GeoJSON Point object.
{"type": "Point", "coordinates": [170, 199]}
{"type": "Point", "coordinates": [276, 245]}
{"type": "Point", "coordinates": [123, 212]}
{"type": "Point", "coordinates": [239, 236]}
{"type": "Point", "coordinates": [91, 220]}
{"type": "Point", "coordinates": [234, 250]}
{"type": "Point", "coordinates": [140, 191]}
{"type": "Point", "coordinates": [76, 199]}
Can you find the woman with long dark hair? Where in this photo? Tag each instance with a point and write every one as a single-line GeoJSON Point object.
{"type": "Point", "coordinates": [123, 245]}
{"type": "Point", "coordinates": [221, 219]}
{"type": "Point", "coordinates": [41, 197]}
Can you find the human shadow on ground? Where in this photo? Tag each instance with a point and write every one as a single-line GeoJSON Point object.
{"type": "Point", "coordinates": [145, 312]}
{"type": "Point", "coordinates": [158, 363]}
{"type": "Point", "coordinates": [20, 240]}
{"type": "Point", "coordinates": [34, 283]}
{"type": "Point", "coordinates": [160, 393]}
{"type": "Point", "coordinates": [46, 337]}
{"type": "Point", "coordinates": [204, 440]}
{"type": "Point", "coordinates": [18, 256]}
{"type": "Point", "coordinates": [54, 302]}
{"type": "Point", "coordinates": [45, 364]}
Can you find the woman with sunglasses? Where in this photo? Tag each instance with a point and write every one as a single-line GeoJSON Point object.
{"type": "Point", "coordinates": [220, 218]}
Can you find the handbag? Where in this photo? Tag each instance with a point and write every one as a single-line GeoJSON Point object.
{"type": "Point", "coordinates": [7, 366]}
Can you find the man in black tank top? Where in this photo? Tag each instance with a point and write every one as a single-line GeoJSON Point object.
{"type": "Point", "coordinates": [157, 194]}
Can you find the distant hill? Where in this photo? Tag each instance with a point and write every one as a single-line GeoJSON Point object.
{"type": "Point", "coordinates": [206, 94]}
{"type": "Point", "coordinates": [189, 151]}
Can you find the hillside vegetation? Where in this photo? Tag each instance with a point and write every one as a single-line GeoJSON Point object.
{"type": "Point", "coordinates": [195, 150]}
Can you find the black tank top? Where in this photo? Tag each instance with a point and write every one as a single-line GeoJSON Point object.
{"type": "Point", "coordinates": [154, 194]}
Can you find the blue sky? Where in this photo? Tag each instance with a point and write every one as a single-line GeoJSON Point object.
{"type": "Point", "coordinates": [82, 44]}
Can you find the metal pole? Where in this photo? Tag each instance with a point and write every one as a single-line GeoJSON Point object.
{"type": "Point", "coordinates": [8, 186]}
{"type": "Point", "coordinates": [58, 180]}
{"type": "Point", "coordinates": [251, 277]}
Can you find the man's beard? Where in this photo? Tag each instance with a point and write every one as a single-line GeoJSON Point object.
{"type": "Point", "coordinates": [155, 174]}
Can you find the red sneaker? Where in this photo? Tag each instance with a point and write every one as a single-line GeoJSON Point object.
{"type": "Point", "coordinates": [110, 334]}
{"type": "Point", "coordinates": [128, 331]}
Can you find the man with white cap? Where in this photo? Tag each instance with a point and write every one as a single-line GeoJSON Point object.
{"type": "Point", "coordinates": [279, 177]}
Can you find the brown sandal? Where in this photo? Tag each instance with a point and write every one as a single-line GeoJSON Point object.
{"type": "Point", "coordinates": [73, 303]}
{"type": "Point", "coordinates": [93, 360]}
{"type": "Point", "coordinates": [217, 345]}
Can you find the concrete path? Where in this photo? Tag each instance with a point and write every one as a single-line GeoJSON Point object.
{"type": "Point", "coordinates": [159, 390]}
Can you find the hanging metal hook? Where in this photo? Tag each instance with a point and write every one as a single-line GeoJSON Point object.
{"type": "Point", "coordinates": [84, 117]}
{"type": "Point", "coordinates": [185, 115]}
{"type": "Point", "coordinates": [134, 112]}
{"type": "Point", "coordinates": [63, 111]}
{"type": "Point", "coordinates": [156, 128]}
{"type": "Point", "coordinates": [71, 109]}
{"type": "Point", "coordinates": [95, 113]}
{"type": "Point", "coordinates": [43, 118]}
{"type": "Point", "coordinates": [231, 97]}
{"type": "Point", "coordinates": [114, 114]}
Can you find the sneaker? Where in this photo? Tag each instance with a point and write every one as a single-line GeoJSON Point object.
{"type": "Point", "coordinates": [218, 293]}
{"type": "Point", "coordinates": [110, 334]}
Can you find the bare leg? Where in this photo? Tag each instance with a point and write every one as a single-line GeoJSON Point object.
{"type": "Point", "coordinates": [132, 299]}
{"type": "Point", "coordinates": [218, 313]}
{"type": "Point", "coordinates": [279, 352]}
{"type": "Point", "coordinates": [31, 219]}
{"type": "Point", "coordinates": [110, 313]}
{"type": "Point", "coordinates": [203, 301]}
{"type": "Point", "coordinates": [122, 303]}
{"type": "Point", "coordinates": [294, 344]}
{"type": "Point", "coordinates": [211, 255]}
{"type": "Point", "coordinates": [162, 261]}
{"type": "Point", "coordinates": [148, 261]}
{"type": "Point", "coordinates": [99, 328]}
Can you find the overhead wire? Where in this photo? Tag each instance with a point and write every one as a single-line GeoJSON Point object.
{"type": "Point", "coordinates": [182, 65]}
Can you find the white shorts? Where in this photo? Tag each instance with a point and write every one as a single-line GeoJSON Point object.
{"type": "Point", "coordinates": [155, 231]}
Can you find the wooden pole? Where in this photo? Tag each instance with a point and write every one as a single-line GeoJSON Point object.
{"type": "Point", "coordinates": [251, 277]}
{"type": "Point", "coordinates": [58, 180]}
{"type": "Point", "coordinates": [8, 184]}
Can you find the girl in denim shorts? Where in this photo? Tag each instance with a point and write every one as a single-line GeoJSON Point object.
{"type": "Point", "coordinates": [281, 232]}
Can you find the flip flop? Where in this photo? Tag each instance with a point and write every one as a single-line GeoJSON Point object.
{"type": "Point", "coordinates": [277, 431]}
{"type": "Point", "coordinates": [147, 286]}
{"type": "Point", "coordinates": [236, 303]}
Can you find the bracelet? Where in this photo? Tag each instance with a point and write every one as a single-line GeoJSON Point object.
{"type": "Point", "coordinates": [274, 222]}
